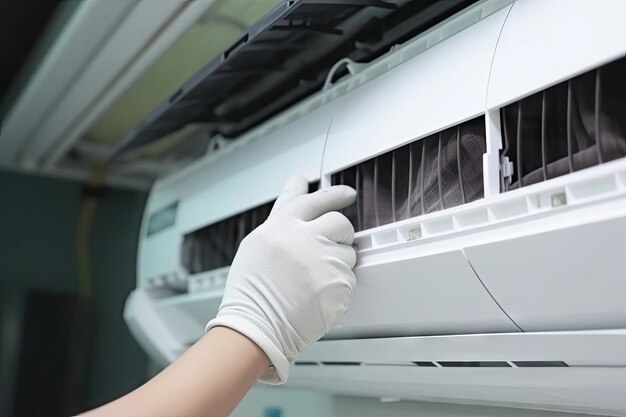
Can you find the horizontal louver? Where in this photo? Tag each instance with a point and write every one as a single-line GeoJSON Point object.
{"type": "Point", "coordinates": [573, 125]}
{"type": "Point", "coordinates": [440, 171]}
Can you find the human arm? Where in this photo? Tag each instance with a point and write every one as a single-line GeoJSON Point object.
{"type": "Point", "coordinates": [288, 285]}
{"type": "Point", "coordinates": [209, 379]}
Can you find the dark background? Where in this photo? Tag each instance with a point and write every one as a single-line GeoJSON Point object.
{"type": "Point", "coordinates": [59, 356]}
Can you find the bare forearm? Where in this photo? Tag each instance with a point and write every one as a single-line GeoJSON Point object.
{"type": "Point", "coordinates": [287, 286]}
{"type": "Point", "coordinates": [208, 380]}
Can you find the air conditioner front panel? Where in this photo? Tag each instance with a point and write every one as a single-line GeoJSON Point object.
{"type": "Point", "coordinates": [587, 390]}
{"type": "Point", "coordinates": [254, 174]}
{"type": "Point", "coordinates": [436, 89]}
{"type": "Point", "coordinates": [418, 295]}
{"type": "Point", "coordinates": [249, 173]}
{"type": "Point", "coordinates": [574, 371]}
{"type": "Point", "coordinates": [544, 42]}
{"type": "Point", "coordinates": [565, 279]}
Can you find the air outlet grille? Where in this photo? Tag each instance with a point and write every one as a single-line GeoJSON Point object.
{"type": "Point", "coordinates": [214, 246]}
{"type": "Point", "coordinates": [440, 171]}
{"type": "Point", "coordinates": [448, 364]}
{"type": "Point", "coordinates": [573, 125]}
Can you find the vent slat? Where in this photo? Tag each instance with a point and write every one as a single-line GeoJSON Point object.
{"type": "Point", "coordinates": [393, 186]}
{"type": "Point", "coordinates": [458, 162]}
{"type": "Point", "coordinates": [422, 175]}
{"type": "Point", "coordinates": [409, 199]}
{"type": "Point", "coordinates": [596, 114]}
{"type": "Point", "coordinates": [359, 205]}
{"type": "Point", "coordinates": [520, 174]}
{"type": "Point", "coordinates": [439, 176]}
{"type": "Point", "coordinates": [376, 213]}
{"type": "Point", "coordinates": [570, 153]}
{"type": "Point", "coordinates": [544, 165]}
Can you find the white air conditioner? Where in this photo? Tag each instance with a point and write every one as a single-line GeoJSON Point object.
{"type": "Point", "coordinates": [489, 157]}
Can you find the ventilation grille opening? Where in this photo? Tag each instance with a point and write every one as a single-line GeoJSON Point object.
{"type": "Point", "coordinates": [214, 246]}
{"type": "Point", "coordinates": [573, 125]}
{"type": "Point", "coordinates": [449, 364]}
{"type": "Point", "coordinates": [440, 171]}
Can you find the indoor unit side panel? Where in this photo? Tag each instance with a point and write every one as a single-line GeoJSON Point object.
{"type": "Point", "coordinates": [571, 278]}
{"type": "Point", "coordinates": [545, 42]}
{"type": "Point", "coordinates": [157, 253]}
{"type": "Point", "coordinates": [434, 90]}
{"type": "Point", "coordinates": [159, 256]}
{"type": "Point", "coordinates": [254, 173]}
{"type": "Point", "coordinates": [422, 295]}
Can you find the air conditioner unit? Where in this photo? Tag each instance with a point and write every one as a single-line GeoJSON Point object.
{"type": "Point", "coordinates": [489, 157]}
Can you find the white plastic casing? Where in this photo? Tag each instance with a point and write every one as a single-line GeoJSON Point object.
{"type": "Point", "coordinates": [521, 275]}
{"type": "Point", "coordinates": [436, 89]}
{"type": "Point", "coordinates": [251, 173]}
{"type": "Point", "coordinates": [546, 42]}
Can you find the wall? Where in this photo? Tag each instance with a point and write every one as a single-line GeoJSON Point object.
{"type": "Point", "coordinates": [37, 224]}
{"type": "Point", "coordinates": [118, 364]}
{"type": "Point", "coordinates": [38, 219]}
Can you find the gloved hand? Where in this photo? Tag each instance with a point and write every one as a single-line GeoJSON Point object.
{"type": "Point", "coordinates": [292, 276]}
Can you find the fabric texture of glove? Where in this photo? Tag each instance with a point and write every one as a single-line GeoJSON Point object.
{"type": "Point", "coordinates": [292, 277]}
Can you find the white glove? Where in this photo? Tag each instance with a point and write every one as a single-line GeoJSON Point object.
{"type": "Point", "coordinates": [292, 277]}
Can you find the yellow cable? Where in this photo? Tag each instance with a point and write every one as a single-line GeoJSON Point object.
{"type": "Point", "coordinates": [83, 233]}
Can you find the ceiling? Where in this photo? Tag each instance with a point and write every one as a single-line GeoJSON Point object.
{"type": "Point", "coordinates": [213, 32]}
{"type": "Point", "coordinates": [82, 75]}
{"type": "Point", "coordinates": [177, 37]}
{"type": "Point", "coordinates": [24, 39]}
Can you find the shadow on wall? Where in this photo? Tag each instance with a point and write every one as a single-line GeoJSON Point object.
{"type": "Point", "coordinates": [61, 353]}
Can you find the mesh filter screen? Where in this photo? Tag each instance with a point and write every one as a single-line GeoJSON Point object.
{"type": "Point", "coordinates": [440, 171]}
{"type": "Point", "coordinates": [214, 246]}
{"type": "Point", "coordinates": [571, 126]}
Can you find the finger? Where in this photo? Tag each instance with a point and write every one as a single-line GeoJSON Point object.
{"type": "Point", "coordinates": [346, 254]}
{"type": "Point", "coordinates": [335, 227]}
{"type": "Point", "coordinates": [295, 186]}
{"type": "Point", "coordinates": [311, 206]}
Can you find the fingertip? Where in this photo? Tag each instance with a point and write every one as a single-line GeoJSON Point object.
{"type": "Point", "coordinates": [296, 182]}
{"type": "Point", "coordinates": [349, 191]}
{"type": "Point", "coordinates": [344, 193]}
{"type": "Point", "coordinates": [295, 186]}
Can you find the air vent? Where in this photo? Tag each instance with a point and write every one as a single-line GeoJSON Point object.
{"type": "Point", "coordinates": [306, 363]}
{"type": "Point", "coordinates": [440, 171]}
{"type": "Point", "coordinates": [540, 364]}
{"type": "Point", "coordinates": [475, 364]}
{"type": "Point", "coordinates": [214, 246]}
{"type": "Point", "coordinates": [425, 364]}
{"type": "Point", "coordinates": [450, 364]}
{"type": "Point", "coordinates": [342, 363]}
{"type": "Point", "coordinates": [571, 126]}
